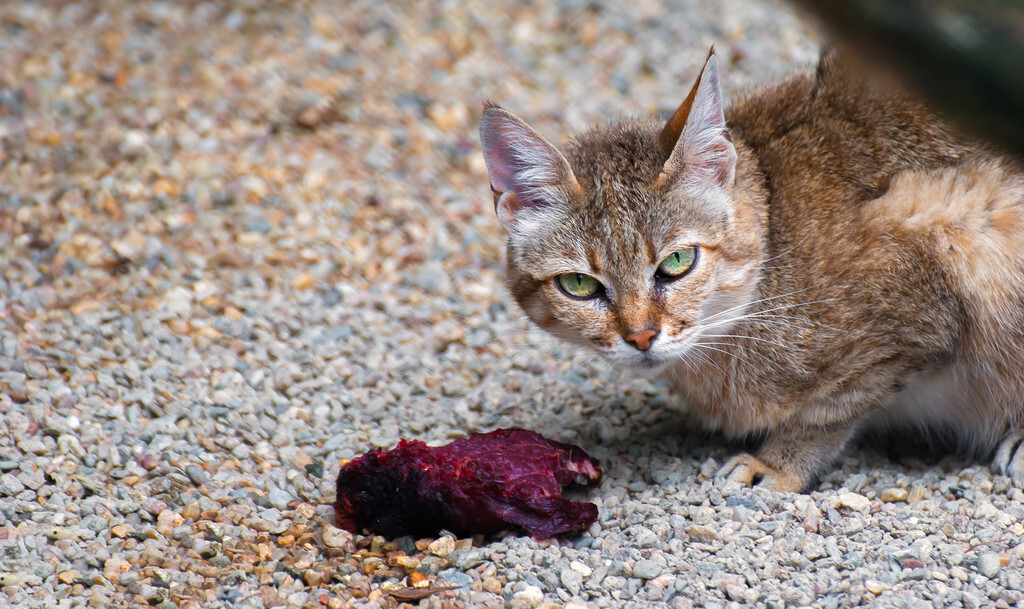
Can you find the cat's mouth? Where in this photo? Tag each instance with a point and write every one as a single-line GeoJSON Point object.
{"type": "Point", "coordinates": [642, 360]}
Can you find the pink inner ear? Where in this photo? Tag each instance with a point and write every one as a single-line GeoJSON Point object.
{"type": "Point", "coordinates": [519, 161]}
{"type": "Point", "coordinates": [506, 143]}
{"type": "Point", "coordinates": [500, 165]}
{"type": "Point", "coordinates": [714, 163]}
{"type": "Point", "coordinates": [708, 152]}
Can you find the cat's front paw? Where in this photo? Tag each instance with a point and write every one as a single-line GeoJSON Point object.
{"type": "Point", "coordinates": [1009, 459]}
{"type": "Point", "coordinates": [748, 469]}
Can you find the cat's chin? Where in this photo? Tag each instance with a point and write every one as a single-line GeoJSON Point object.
{"type": "Point", "coordinates": [651, 365]}
{"type": "Point", "coordinates": [642, 361]}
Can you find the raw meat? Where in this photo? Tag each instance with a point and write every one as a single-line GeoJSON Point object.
{"type": "Point", "coordinates": [480, 484]}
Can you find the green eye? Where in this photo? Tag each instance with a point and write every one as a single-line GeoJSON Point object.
{"type": "Point", "coordinates": [578, 285]}
{"type": "Point", "coordinates": [677, 263]}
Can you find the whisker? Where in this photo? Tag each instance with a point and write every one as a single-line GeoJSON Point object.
{"type": "Point", "coordinates": [801, 242]}
{"type": "Point", "coordinates": [755, 314]}
{"type": "Point", "coordinates": [757, 338]}
{"type": "Point", "coordinates": [704, 357]}
{"type": "Point", "coordinates": [783, 319]}
{"type": "Point", "coordinates": [589, 362]}
{"type": "Point", "coordinates": [748, 349]}
{"type": "Point", "coordinates": [705, 345]}
{"type": "Point", "coordinates": [754, 302]}
{"type": "Point", "coordinates": [685, 358]}
{"type": "Point", "coordinates": [798, 304]}
{"type": "Point", "coordinates": [690, 356]}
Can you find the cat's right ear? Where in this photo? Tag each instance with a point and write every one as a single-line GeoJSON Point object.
{"type": "Point", "coordinates": [696, 139]}
{"type": "Point", "coordinates": [526, 171]}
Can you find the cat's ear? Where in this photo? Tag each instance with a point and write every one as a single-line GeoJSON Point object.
{"type": "Point", "coordinates": [696, 140]}
{"type": "Point", "coordinates": [526, 171]}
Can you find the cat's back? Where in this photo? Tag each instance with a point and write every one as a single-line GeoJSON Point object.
{"type": "Point", "coordinates": [851, 158]}
{"type": "Point", "coordinates": [840, 134]}
{"type": "Point", "coordinates": [878, 203]}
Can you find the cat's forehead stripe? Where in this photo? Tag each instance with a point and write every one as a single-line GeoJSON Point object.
{"type": "Point", "coordinates": [594, 260]}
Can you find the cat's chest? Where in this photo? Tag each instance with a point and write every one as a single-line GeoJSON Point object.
{"type": "Point", "coordinates": [947, 397]}
{"type": "Point", "coordinates": [725, 398]}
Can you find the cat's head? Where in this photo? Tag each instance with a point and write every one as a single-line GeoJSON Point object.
{"type": "Point", "coordinates": [639, 240]}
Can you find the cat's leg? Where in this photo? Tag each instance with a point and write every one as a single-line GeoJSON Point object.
{"type": "Point", "coordinates": [791, 458]}
{"type": "Point", "coordinates": [1009, 459]}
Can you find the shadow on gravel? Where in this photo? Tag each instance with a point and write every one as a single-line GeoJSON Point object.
{"type": "Point", "coordinates": [668, 448]}
{"type": "Point", "coordinates": [938, 450]}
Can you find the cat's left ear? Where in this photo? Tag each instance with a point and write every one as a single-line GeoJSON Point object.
{"type": "Point", "coordinates": [528, 174]}
{"type": "Point", "coordinates": [696, 140]}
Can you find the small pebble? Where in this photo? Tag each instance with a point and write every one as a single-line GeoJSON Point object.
{"type": "Point", "coordinates": [702, 534]}
{"type": "Point", "coordinates": [528, 598]}
{"type": "Point", "coordinates": [121, 530]}
{"type": "Point", "coordinates": [572, 580]}
{"type": "Point", "coordinates": [990, 564]}
{"type": "Point", "coordinates": [891, 495]}
{"type": "Point", "coordinates": [455, 578]}
{"type": "Point", "coordinates": [442, 546]}
{"type": "Point", "coordinates": [196, 475]}
{"type": "Point", "coordinates": [917, 493]}
{"type": "Point", "coordinates": [278, 498]}
{"type": "Point", "coordinates": [876, 587]}
{"type": "Point", "coordinates": [854, 501]}
{"type": "Point", "coordinates": [646, 569]}
{"type": "Point", "coordinates": [337, 538]}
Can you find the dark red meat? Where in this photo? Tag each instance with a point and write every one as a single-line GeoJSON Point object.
{"type": "Point", "coordinates": [480, 484]}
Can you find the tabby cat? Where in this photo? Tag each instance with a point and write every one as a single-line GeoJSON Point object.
{"type": "Point", "coordinates": [822, 258]}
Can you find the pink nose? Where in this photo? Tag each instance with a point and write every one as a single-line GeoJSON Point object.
{"type": "Point", "coordinates": [642, 340]}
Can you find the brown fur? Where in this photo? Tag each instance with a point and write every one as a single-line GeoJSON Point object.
{"type": "Point", "coordinates": [870, 259]}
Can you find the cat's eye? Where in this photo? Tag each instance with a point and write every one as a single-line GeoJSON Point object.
{"type": "Point", "coordinates": [677, 263]}
{"type": "Point", "coordinates": [578, 285]}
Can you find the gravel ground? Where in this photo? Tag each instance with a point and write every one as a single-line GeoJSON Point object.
{"type": "Point", "coordinates": [244, 241]}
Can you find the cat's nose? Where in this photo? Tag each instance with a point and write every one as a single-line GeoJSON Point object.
{"type": "Point", "coordinates": [642, 340]}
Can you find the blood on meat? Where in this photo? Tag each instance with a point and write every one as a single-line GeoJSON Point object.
{"type": "Point", "coordinates": [483, 483]}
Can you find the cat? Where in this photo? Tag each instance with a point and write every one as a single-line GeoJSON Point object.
{"type": "Point", "coordinates": [822, 258]}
